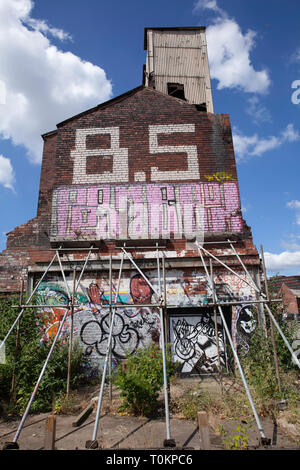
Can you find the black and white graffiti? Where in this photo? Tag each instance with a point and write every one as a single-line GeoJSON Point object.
{"type": "Point", "coordinates": [194, 343]}
{"type": "Point", "coordinates": [245, 325]}
{"type": "Point", "coordinates": [95, 336]}
{"type": "Point", "coordinates": [132, 328]}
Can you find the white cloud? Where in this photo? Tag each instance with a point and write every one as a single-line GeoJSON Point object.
{"type": "Point", "coordinates": [43, 85]}
{"type": "Point", "coordinates": [293, 204]}
{"type": "Point", "coordinates": [7, 176]}
{"type": "Point", "coordinates": [250, 146]}
{"type": "Point", "coordinates": [229, 53]}
{"type": "Point", "coordinates": [284, 260]}
{"type": "Point", "coordinates": [209, 5]}
{"type": "Point", "coordinates": [290, 134]}
{"type": "Point", "coordinates": [43, 27]}
{"type": "Point", "coordinates": [257, 110]}
{"type": "Point", "coordinates": [229, 57]}
{"type": "Point", "coordinates": [295, 57]}
{"type": "Point", "coordinates": [290, 245]}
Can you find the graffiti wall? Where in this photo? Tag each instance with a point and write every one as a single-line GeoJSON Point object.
{"type": "Point", "coordinates": [143, 211]}
{"type": "Point", "coordinates": [195, 345]}
{"type": "Point", "coordinates": [192, 335]}
{"type": "Point", "coordinates": [133, 327]}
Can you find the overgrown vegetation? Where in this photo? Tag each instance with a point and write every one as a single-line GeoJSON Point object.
{"type": "Point", "coordinates": [266, 388]}
{"type": "Point", "coordinates": [140, 379]}
{"type": "Point", "coordinates": [24, 361]}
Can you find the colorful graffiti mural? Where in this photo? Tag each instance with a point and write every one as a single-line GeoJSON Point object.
{"type": "Point", "coordinates": [133, 327]}
{"type": "Point", "coordinates": [192, 335]}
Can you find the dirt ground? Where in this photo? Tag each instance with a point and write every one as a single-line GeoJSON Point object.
{"type": "Point", "coordinates": [116, 431]}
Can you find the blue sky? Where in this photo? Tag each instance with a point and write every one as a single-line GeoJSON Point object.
{"type": "Point", "coordinates": [61, 57]}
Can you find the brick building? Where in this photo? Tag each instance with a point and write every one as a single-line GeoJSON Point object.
{"type": "Point", "coordinates": [152, 171]}
{"type": "Point", "coordinates": [288, 287]}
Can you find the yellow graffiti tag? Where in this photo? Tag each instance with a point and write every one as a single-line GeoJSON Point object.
{"type": "Point", "coordinates": [219, 176]}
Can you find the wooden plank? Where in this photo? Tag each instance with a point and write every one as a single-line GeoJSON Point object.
{"type": "Point", "coordinates": [83, 415]}
{"type": "Point", "coordinates": [50, 431]}
{"type": "Point", "coordinates": [203, 430]}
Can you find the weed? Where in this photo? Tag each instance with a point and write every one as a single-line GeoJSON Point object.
{"type": "Point", "coordinates": [239, 438]}
{"type": "Point", "coordinates": [64, 404]}
{"type": "Point", "coordinates": [140, 378]}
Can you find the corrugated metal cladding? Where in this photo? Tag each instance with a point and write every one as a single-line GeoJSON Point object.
{"type": "Point", "coordinates": [180, 57]}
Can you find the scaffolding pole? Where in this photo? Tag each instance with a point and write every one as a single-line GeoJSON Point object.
{"type": "Point", "coordinates": [142, 274]}
{"type": "Point", "coordinates": [229, 269]}
{"type": "Point", "coordinates": [283, 337]}
{"type": "Point", "coordinates": [265, 302]}
{"type": "Point", "coordinates": [262, 301]}
{"type": "Point", "coordinates": [71, 335]}
{"type": "Point", "coordinates": [40, 378]}
{"type": "Point", "coordinates": [31, 295]}
{"type": "Point", "coordinates": [63, 275]}
{"type": "Point", "coordinates": [110, 321]}
{"type": "Point", "coordinates": [271, 324]}
{"type": "Point", "coordinates": [259, 426]}
{"type": "Point", "coordinates": [215, 313]}
{"type": "Point", "coordinates": [93, 442]}
{"type": "Point", "coordinates": [168, 441]}
{"type": "Point", "coordinates": [46, 361]}
{"type": "Point", "coordinates": [122, 305]}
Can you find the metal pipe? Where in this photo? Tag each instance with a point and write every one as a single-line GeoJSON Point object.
{"type": "Point", "coordinates": [45, 364]}
{"type": "Point", "coordinates": [141, 273]}
{"type": "Point", "coordinates": [32, 294]}
{"type": "Point", "coordinates": [84, 266]}
{"type": "Point", "coordinates": [165, 294]}
{"type": "Point", "coordinates": [44, 305]}
{"type": "Point", "coordinates": [235, 355]}
{"type": "Point", "coordinates": [221, 242]}
{"type": "Point", "coordinates": [163, 354]}
{"type": "Point", "coordinates": [75, 249]}
{"type": "Point", "coordinates": [259, 293]}
{"type": "Point", "coordinates": [227, 267]}
{"type": "Point", "coordinates": [110, 320]}
{"type": "Point", "coordinates": [40, 378]}
{"type": "Point", "coordinates": [215, 313]}
{"type": "Point", "coordinates": [13, 382]}
{"type": "Point", "coordinates": [71, 335]}
{"type": "Point", "coordinates": [242, 375]}
{"type": "Point", "coordinates": [142, 247]}
{"type": "Point", "coordinates": [271, 324]}
{"type": "Point", "coordinates": [224, 304]}
{"type": "Point", "coordinates": [106, 360]}
{"type": "Point", "coordinates": [245, 269]}
{"type": "Point", "coordinates": [63, 275]}
{"type": "Point", "coordinates": [283, 337]}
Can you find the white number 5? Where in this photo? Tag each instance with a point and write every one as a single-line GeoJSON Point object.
{"type": "Point", "coordinates": [191, 150]}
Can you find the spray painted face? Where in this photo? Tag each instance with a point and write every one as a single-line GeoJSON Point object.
{"type": "Point", "coordinates": [140, 290]}
{"type": "Point", "coordinates": [246, 320]}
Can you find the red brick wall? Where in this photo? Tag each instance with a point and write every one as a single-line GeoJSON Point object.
{"type": "Point", "coordinates": [289, 300]}
{"type": "Point", "coordinates": [132, 114]}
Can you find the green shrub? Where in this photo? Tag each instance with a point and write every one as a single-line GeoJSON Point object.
{"type": "Point", "coordinates": [140, 379]}
{"type": "Point", "coordinates": [259, 366]}
{"type": "Point", "coordinates": [27, 365]}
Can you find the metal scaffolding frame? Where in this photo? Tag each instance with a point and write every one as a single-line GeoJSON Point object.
{"type": "Point", "coordinates": [162, 304]}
